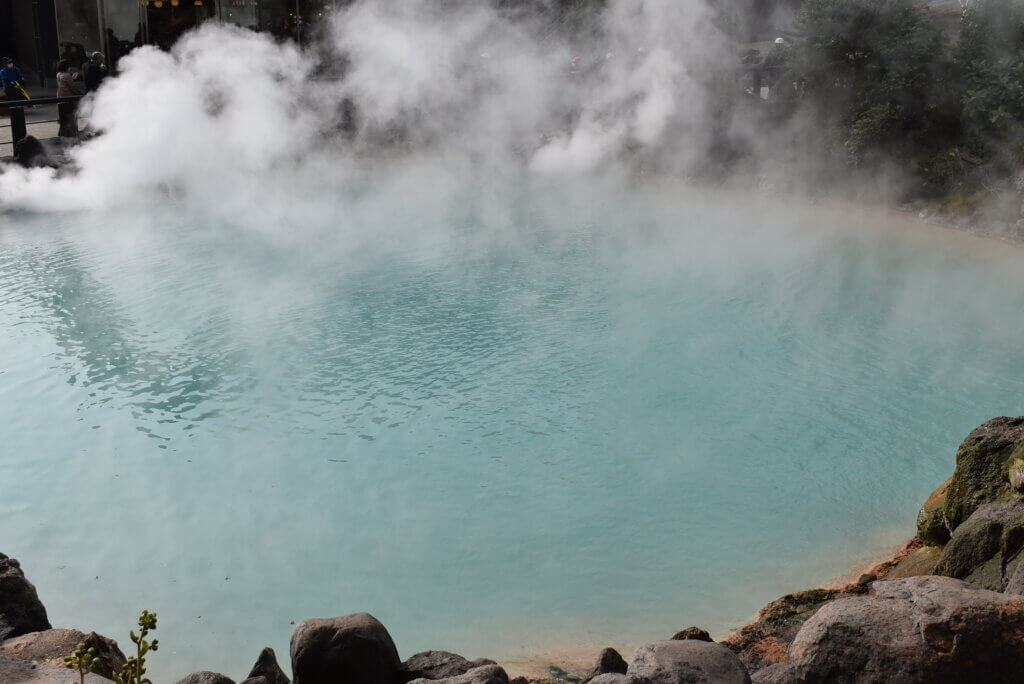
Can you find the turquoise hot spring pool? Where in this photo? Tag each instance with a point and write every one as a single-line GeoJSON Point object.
{"type": "Point", "coordinates": [506, 421]}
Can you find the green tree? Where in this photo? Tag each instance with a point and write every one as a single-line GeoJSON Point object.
{"type": "Point", "coordinates": [880, 74]}
{"type": "Point", "coordinates": [990, 56]}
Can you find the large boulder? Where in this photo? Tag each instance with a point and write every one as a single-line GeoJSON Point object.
{"type": "Point", "coordinates": [266, 670]}
{"type": "Point", "coordinates": [612, 678]}
{"type": "Point", "coordinates": [21, 611]}
{"type": "Point", "coordinates": [16, 671]}
{"type": "Point", "coordinates": [205, 677]}
{"type": "Point", "coordinates": [487, 674]}
{"type": "Point", "coordinates": [51, 646]}
{"type": "Point", "coordinates": [985, 548]}
{"type": "Point", "coordinates": [686, 661]}
{"type": "Point", "coordinates": [918, 629]}
{"type": "Point", "coordinates": [986, 461]}
{"type": "Point", "coordinates": [355, 649]}
{"type": "Point", "coordinates": [609, 661]}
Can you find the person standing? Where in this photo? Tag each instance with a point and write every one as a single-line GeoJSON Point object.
{"type": "Point", "coordinates": [67, 112]}
{"type": "Point", "coordinates": [94, 71]}
{"type": "Point", "coordinates": [11, 80]}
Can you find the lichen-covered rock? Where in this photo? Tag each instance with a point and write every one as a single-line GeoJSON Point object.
{"type": "Point", "coordinates": [267, 667]}
{"type": "Point", "coordinates": [692, 633]}
{"type": "Point", "coordinates": [984, 549]}
{"type": "Point", "coordinates": [21, 611]}
{"type": "Point", "coordinates": [49, 647]}
{"type": "Point", "coordinates": [919, 629]}
{"type": "Point", "coordinates": [487, 674]}
{"type": "Point", "coordinates": [355, 649]}
{"type": "Point", "coordinates": [15, 671]}
{"type": "Point", "coordinates": [931, 520]}
{"type": "Point", "coordinates": [435, 665]}
{"type": "Point", "coordinates": [609, 661]}
{"type": "Point", "coordinates": [686, 661]}
{"type": "Point", "coordinates": [205, 677]}
{"type": "Point", "coordinates": [983, 464]}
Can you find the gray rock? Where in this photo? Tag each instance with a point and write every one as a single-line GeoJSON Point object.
{"type": "Point", "coordinates": [780, 673]}
{"type": "Point", "coordinates": [1015, 585]}
{"type": "Point", "coordinates": [608, 662]}
{"type": "Point", "coordinates": [355, 649]}
{"type": "Point", "coordinates": [50, 646]}
{"type": "Point", "coordinates": [612, 678]}
{"type": "Point", "coordinates": [266, 667]}
{"type": "Point", "coordinates": [685, 662]}
{"type": "Point", "coordinates": [435, 665]}
{"type": "Point", "coordinates": [15, 671]}
{"type": "Point", "coordinates": [21, 611]}
{"type": "Point", "coordinates": [984, 549]}
{"type": "Point", "coordinates": [488, 674]}
{"type": "Point", "coordinates": [205, 678]}
{"type": "Point", "coordinates": [918, 629]}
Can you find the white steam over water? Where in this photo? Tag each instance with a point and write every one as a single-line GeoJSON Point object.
{"type": "Point", "coordinates": [230, 120]}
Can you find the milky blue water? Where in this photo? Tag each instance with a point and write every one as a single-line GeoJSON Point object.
{"type": "Point", "coordinates": [503, 422]}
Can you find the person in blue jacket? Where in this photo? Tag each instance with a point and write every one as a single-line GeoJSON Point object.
{"type": "Point", "coordinates": [11, 80]}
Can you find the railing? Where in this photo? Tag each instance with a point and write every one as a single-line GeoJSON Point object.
{"type": "Point", "coordinates": [16, 112]}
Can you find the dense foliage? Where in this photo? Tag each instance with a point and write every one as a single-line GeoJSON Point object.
{"type": "Point", "coordinates": [888, 87]}
{"type": "Point", "coordinates": [991, 57]}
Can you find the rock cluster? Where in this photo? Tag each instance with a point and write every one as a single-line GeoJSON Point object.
{"type": "Point", "coordinates": [948, 608]}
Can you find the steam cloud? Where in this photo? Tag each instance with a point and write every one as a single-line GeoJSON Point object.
{"type": "Point", "coordinates": [234, 122]}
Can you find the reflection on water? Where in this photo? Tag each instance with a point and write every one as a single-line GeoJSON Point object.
{"type": "Point", "coordinates": [589, 427]}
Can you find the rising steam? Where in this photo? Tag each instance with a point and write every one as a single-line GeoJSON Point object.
{"type": "Point", "coordinates": [234, 121]}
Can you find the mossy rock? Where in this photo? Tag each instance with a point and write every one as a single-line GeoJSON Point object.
{"type": "Point", "coordinates": [931, 520]}
{"type": "Point", "coordinates": [986, 546]}
{"type": "Point", "coordinates": [692, 633]}
{"type": "Point", "coordinates": [983, 465]}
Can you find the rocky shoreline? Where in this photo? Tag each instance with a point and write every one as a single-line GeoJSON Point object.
{"type": "Point", "coordinates": [948, 606]}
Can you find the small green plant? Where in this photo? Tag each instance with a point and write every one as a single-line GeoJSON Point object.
{"type": "Point", "coordinates": [82, 661]}
{"type": "Point", "coordinates": [133, 670]}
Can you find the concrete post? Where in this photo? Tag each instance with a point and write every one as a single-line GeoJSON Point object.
{"type": "Point", "coordinates": [18, 128]}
